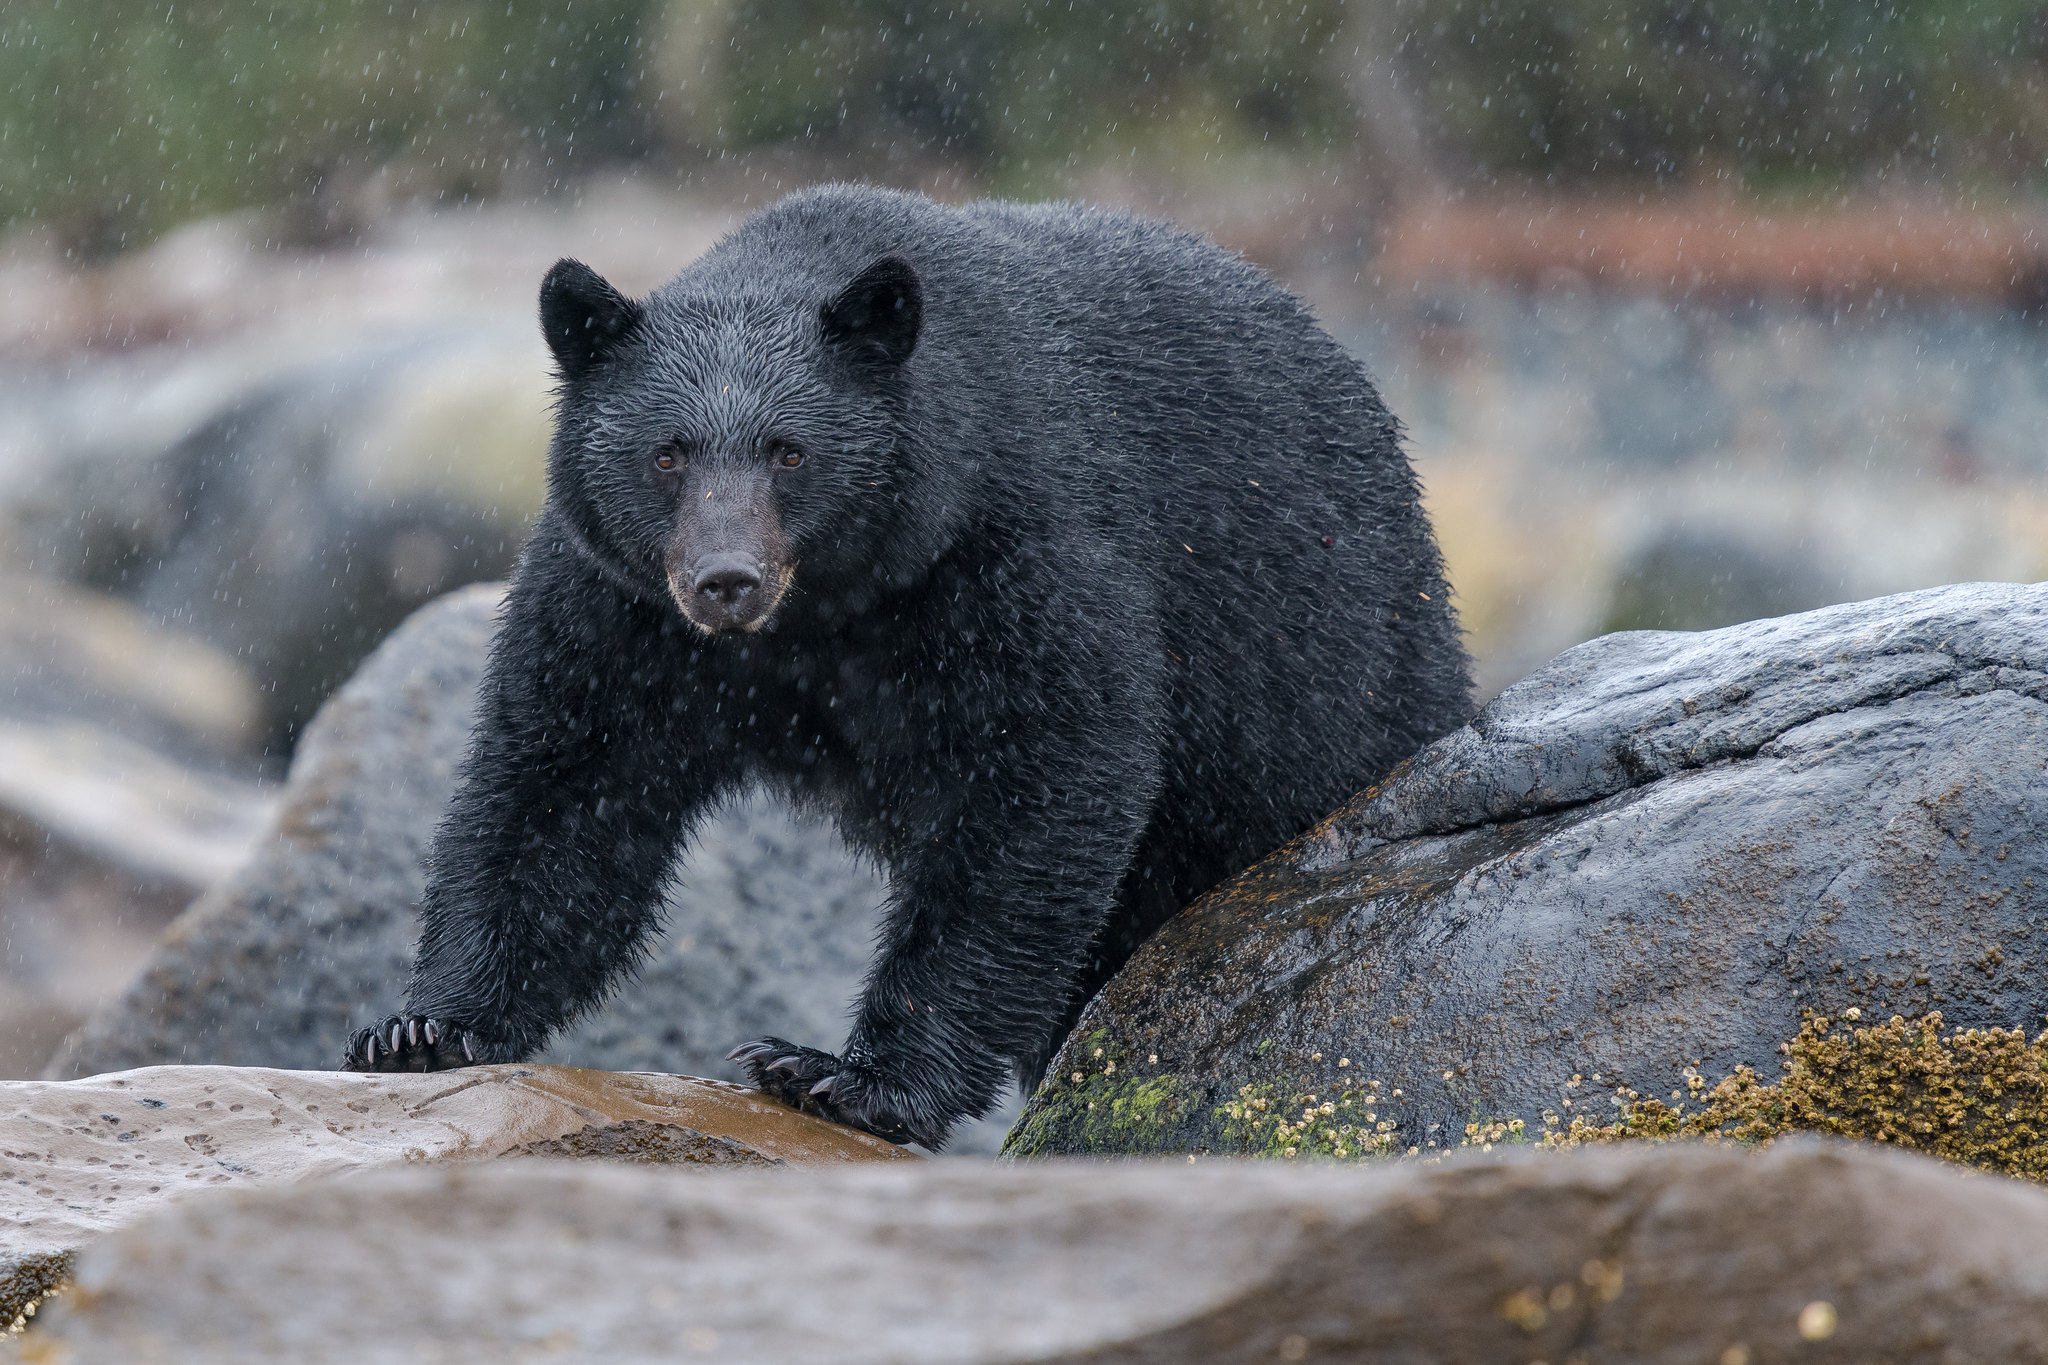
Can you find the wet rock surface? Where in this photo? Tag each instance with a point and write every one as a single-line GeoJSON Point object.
{"type": "Point", "coordinates": [80, 1158]}
{"type": "Point", "coordinates": [769, 925]}
{"type": "Point", "coordinates": [1644, 861]}
{"type": "Point", "coordinates": [1804, 1252]}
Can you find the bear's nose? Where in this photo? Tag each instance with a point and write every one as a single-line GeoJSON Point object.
{"type": "Point", "coordinates": [727, 579]}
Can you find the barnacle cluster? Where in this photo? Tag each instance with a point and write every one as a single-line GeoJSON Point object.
{"type": "Point", "coordinates": [1974, 1096]}
{"type": "Point", "coordinates": [1341, 1125]}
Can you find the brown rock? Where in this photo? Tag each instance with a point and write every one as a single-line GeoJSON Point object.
{"type": "Point", "coordinates": [80, 1158]}
{"type": "Point", "coordinates": [1808, 1251]}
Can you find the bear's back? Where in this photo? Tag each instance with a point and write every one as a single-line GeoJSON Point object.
{"type": "Point", "coordinates": [1152, 423]}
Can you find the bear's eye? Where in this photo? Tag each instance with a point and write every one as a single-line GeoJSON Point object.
{"type": "Point", "coordinates": [785, 454]}
{"type": "Point", "coordinates": [670, 456]}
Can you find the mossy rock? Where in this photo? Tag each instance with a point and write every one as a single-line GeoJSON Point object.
{"type": "Point", "coordinates": [1644, 866]}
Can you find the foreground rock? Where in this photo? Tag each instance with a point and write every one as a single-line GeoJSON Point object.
{"type": "Point", "coordinates": [1682, 1254]}
{"type": "Point", "coordinates": [1642, 863]}
{"type": "Point", "coordinates": [79, 1158]}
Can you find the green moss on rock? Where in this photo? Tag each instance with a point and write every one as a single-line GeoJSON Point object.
{"type": "Point", "coordinates": [1114, 1105]}
{"type": "Point", "coordinates": [1126, 1105]}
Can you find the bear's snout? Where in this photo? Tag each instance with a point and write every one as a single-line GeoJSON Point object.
{"type": "Point", "coordinates": [728, 580]}
{"type": "Point", "coordinates": [727, 590]}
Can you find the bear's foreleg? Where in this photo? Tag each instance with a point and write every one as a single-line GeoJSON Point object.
{"type": "Point", "coordinates": [545, 879]}
{"type": "Point", "coordinates": [996, 904]}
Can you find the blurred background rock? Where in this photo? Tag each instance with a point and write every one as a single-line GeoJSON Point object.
{"type": "Point", "coordinates": [1695, 313]}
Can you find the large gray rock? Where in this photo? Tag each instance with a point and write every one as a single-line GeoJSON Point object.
{"type": "Point", "coordinates": [1681, 1254]}
{"type": "Point", "coordinates": [1644, 860]}
{"type": "Point", "coordinates": [769, 927]}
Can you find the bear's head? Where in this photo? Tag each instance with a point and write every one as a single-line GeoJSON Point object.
{"type": "Point", "coordinates": [714, 444]}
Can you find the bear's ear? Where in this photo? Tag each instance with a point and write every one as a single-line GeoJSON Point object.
{"type": "Point", "coordinates": [877, 317]}
{"type": "Point", "coordinates": [583, 317]}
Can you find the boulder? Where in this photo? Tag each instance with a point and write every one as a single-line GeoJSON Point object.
{"type": "Point", "coordinates": [296, 513]}
{"type": "Point", "coordinates": [78, 1158]}
{"type": "Point", "coordinates": [126, 806]}
{"type": "Point", "coordinates": [769, 926]}
{"type": "Point", "coordinates": [1640, 866]}
{"type": "Point", "coordinates": [1806, 1252]}
{"type": "Point", "coordinates": [69, 654]}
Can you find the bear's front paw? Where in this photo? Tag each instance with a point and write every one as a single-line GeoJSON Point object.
{"type": "Point", "coordinates": [412, 1042]}
{"type": "Point", "coordinates": [823, 1085]}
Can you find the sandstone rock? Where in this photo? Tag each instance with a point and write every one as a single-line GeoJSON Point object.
{"type": "Point", "coordinates": [770, 924]}
{"type": "Point", "coordinates": [78, 1158]}
{"type": "Point", "coordinates": [1805, 1252]}
{"type": "Point", "coordinates": [1644, 860]}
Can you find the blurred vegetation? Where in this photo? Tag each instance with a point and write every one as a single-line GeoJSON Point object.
{"type": "Point", "coordinates": [1772, 90]}
{"type": "Point", "coordinates": [119, 119]}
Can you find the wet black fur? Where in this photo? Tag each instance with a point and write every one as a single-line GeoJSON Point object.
{"type": "Point", "coordinates": [1117, 582]}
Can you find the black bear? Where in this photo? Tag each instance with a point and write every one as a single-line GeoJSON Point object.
{"type": "Point", "coordinates": [1056, 553]}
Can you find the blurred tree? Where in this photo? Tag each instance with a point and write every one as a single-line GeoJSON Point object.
{"type": "Point", "coordinates": [1772, 90]}
{"type": "Point", "coordinates": [1010, 87]}
{"type": "Point", "coordinates": [120, 118]}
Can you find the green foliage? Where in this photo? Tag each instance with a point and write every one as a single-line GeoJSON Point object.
{"type": "Point", "coordinates": [120, 118]}
{"type": "Point", "coordinates": [1008, 82]}
{"type": "Point", "coordinates": [1771, 90]}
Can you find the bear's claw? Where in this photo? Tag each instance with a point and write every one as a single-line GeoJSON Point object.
{"type": "Point", "coordinates": [822, 1085]}
{"type": "Point", "coordinates": [410, 1042]}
